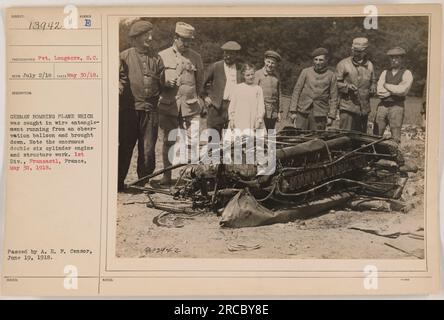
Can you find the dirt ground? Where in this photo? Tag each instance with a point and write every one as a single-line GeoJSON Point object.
{"type": "Point", "coordinates": [334, 235]}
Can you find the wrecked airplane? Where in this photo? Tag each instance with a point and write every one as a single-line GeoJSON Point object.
{"type": "Point", "coordinates": [316, 171]}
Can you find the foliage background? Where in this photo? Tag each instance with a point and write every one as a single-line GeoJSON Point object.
{"type": "Point", "coordinates": [295, 38]}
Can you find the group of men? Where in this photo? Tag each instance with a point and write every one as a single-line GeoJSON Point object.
{"type": "Point", "coordinates": [319, 91]}
{"type": "Point", "coordinates": [170, 90]}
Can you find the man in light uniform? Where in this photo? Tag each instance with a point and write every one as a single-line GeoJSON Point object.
{"type": "Point", "coordinates": [180, 103]}
{"type": "Point", "coordinates": [356, 82]}
{"type": "Point", "coordinates": [393, 86]}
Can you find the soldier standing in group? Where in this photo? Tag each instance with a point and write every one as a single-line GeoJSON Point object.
{"type": "Point", "coordinates": [180, 104]}
{"type": "Point", "coordinates": [393, 86]}
{"type": "Point", "coordinates": [315, 96]}
{"type": "Point", "coordinates": [267, 79]}
{"type": "Point", "coordinates": [356, 82]}
{"type": "Point", "coordinates": [220, 79]}
{"type": "Point", "coordinates": [139, 87]}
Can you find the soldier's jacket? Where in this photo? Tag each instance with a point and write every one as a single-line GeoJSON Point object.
{"type": "Point", "coordinates": [187, 69]}
{"type": "Point", "coordinates": [270, 85]}
{"type": "Point", "coordinates": [315, 92]}
{"type": "Point", "coordinates": [363, 77]}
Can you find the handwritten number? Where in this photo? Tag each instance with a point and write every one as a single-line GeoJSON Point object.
{"type": "Point", "coordinates": [44, 25]}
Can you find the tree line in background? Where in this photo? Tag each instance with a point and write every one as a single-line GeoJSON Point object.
{"type": "Point", "coordinates": [295, 38]}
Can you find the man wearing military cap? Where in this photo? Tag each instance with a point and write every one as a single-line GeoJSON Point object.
{"type": "Point", "coordinates": [315, 98]}
{"type": "Point", "coordinates": [393, 86]}
{"type": "Point", "coordinates": [180, 103]}
{"type": "Point", "coordinates": [356, 83]}
{"type": "Point", "coordinates": [140, 83]}
{"type": "Point", "coordinates": [269, 81]}
{"type": "Point", "coordinates": [220, 79]}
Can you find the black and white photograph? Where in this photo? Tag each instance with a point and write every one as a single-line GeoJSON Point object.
{"type": "Point", "coordinates": [334, 109]}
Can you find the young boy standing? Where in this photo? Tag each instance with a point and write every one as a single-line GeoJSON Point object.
{"type": "Point", "coordinates": [268, 80]}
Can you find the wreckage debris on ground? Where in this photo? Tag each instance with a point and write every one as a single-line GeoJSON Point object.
{"type": "Point", "coordinates": [316, 171]}
{"type": "Point", "coordinates": [413, 132]}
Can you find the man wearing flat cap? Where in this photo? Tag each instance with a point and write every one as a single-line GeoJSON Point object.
{"type": "Point", "coordinates": [269, 81]}
{"type": "Point", "coordinates": [180, 103]}
{"type": "Point", "coordinates": [314, 101]}
{"type": "Point", "coordinates": [140, 83]}
{"type": "Point", "coordinates": [356, 83]}
{"type": "Point", "coordinates": [393, 86]}
{"type": "Point", "coordinates": [220, 79]}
